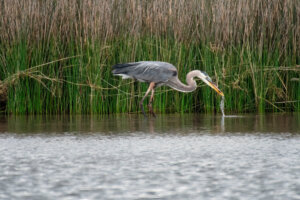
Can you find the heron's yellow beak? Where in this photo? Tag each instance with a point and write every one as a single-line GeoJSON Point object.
{"type": "Point", "coordinates": [213, 86]}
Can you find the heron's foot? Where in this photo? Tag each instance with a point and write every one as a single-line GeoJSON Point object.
{"type": "Point", "coordinates": [151, 110]}
{"type": "Point", "coordinates": [142, 108]}
{"type": "Point", "coordinates": [153, 114]}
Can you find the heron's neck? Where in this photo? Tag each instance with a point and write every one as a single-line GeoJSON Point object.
{"type": "Point", "coordinates": [191, 83]}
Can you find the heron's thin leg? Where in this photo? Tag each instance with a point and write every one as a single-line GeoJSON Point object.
{"type": "Point", "coordinates": [142, 100]}
{"type": "Point", "coordinates": [150, 103]}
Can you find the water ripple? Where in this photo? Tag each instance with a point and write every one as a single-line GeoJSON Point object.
{"type": "Point", "coordinates": [190, 162]}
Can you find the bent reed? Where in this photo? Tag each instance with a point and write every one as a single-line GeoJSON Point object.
{"type": "Point", "coordinates": [56, 55]}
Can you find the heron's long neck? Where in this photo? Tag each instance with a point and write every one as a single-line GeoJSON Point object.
{"type": "Point", "coordinates": [191, 84]}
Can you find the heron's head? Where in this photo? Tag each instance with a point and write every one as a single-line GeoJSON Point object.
{"type": "Point", "coordinates": [206, 79]}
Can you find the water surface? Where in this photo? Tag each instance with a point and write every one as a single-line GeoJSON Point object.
{"type": "Point", "coordinates": [170, 157]}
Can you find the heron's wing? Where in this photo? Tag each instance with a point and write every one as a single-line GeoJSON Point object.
{"type": "Point", "coordinates": [149, 71]}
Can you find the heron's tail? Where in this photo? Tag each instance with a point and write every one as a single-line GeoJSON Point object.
{"type": "Point", "coordinates": [122, 68]}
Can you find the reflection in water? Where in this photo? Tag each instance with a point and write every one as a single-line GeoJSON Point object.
{"type": "Point", "coordinates": [223, 123]}
{"type": "Point", "coordinates": [172, 124]}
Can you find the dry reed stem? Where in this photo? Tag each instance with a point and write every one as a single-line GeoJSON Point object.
{"type": "Point", "coordinates": [222, 23]}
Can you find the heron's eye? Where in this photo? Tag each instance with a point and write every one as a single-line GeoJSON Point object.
{"type": "Point", "coordinates": [208, 78]}
{"type": "Point", "coordinates": [205, 73]}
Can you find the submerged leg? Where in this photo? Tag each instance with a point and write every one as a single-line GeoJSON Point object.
{"type": "Point", "coordinates": [150, 103]}
{"type": "Point", "coordinates": [142, 100]}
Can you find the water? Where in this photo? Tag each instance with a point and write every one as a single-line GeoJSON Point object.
{"type": "Point", "coordinates": [222, 106]}
{"type": "Point", "coordinates": [170, 157]}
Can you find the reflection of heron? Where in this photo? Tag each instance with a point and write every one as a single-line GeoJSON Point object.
{"type": "Point", "coordinates": [158, 74]}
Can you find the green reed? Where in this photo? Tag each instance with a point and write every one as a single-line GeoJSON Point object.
{"type": "Point", "coordinates": [86, 84]}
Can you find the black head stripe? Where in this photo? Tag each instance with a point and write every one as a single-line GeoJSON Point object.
{"type": "Point", "coordinates": [208, 78]}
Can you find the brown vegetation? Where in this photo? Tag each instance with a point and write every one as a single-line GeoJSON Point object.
{"type": "Point", "coordinates": [254, 22]}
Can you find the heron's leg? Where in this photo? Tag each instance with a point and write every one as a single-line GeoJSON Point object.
{"type": "Point", "coordinates": [142, 100]}
{"type": "Point", "coordinates": [150, 103]}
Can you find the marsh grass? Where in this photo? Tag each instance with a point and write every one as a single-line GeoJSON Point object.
{"type": "Point", "coordinates": [250, 48]}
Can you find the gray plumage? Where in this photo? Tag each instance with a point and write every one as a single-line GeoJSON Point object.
{"type": "Point", "coordinates": [146, 71]}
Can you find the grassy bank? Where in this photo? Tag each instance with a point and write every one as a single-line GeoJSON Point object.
{"type": "Point", "coordinates": [250, 48]}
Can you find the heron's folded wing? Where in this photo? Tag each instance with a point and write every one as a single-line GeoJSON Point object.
{"type": "Point", "coordinates": [149, 71]}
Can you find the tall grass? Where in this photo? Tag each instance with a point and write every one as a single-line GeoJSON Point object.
{"type": "Point", "coordinates": [250, 48]}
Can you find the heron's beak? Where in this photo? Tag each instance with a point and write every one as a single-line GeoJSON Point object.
{"type": "Point", "coordinates": [213, 86]}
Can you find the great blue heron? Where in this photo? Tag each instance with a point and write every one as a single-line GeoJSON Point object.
{"type": "Point", "coordinates": [160, 73]}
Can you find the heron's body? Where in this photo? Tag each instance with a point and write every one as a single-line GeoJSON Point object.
{"type": "Point", "coordinates": [146, 71]}
{"type": "Point", "coordinates": [160, 73]}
